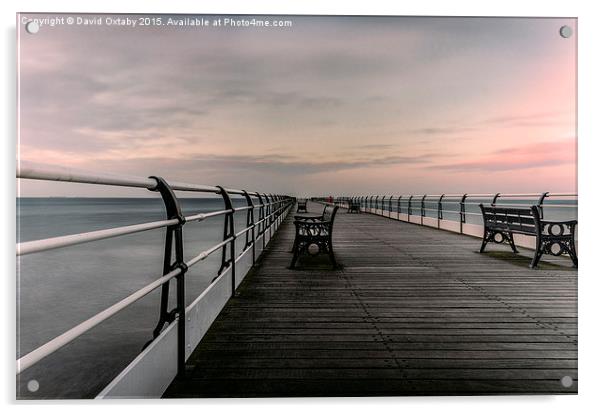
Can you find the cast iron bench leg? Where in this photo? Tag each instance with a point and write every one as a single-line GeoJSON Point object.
{"type": "Point", "coordinates": [538, 253]}
{"type": "Point", "coordinates": [487, 236]}
{"type": "Point", "coordinates": [573, 254]}
{"type": "Point", "coordinates": [295, 254]}
{"type": "Point", "coordinates": [331, 255]}
{"type": "Point", "coordinates": [511, 241]}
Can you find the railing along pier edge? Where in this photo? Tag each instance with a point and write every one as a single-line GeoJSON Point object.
{"type": "Point", "coordinates": [164, 356]}
{"type": "Point", "coordinates": [413, 208]}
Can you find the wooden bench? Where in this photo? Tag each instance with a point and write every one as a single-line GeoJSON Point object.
{"type": "Point", "coordinates": [551, 237]}
{"type": "Point", "coordinates": [302, 205]}
{"type": "Point", "coordinates": [314, 230]}
{"type": "Point", "coordinates": [353, 206]}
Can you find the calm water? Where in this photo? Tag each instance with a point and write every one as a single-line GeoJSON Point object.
{"type": "Point", "coordinates": [58, 289]}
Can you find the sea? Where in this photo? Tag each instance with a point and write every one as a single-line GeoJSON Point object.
{"type": "Point", "coordinates": [59, 289]}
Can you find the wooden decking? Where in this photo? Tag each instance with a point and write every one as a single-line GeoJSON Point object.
{"type": "Point", "coordinates": [411, 311]}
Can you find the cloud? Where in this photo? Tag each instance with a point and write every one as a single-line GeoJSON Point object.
{"type": "Point", "coordinates": [243, 94]}
{"type": "Point", "coordinates": [284, 165]}
{"type": "Point", "coordinates": [446, 130]}
{"type": "Point", "coordinates": [267, 165]}
{"type": "Point", "coordinates": [330, 94]}
{"type": "Point", "coordinates": [376, 146]}
{"type": "Point", "coordinates": [537, 119]}
{"type": "Point", "coordinates": [532, 120]}
{"type": "Point", "coordinates": [529, 156]}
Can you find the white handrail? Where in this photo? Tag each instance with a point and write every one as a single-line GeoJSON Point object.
{"type": "Point", "coordinates": [30, 247]}
{"type": "Point", "coordinates": [26, 171]}
{"type": "Point", "coordinates": [501, 195]}
{"type": "Point", "coordinates": [58, 342]}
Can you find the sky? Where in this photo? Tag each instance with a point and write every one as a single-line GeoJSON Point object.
{"type": "Point", "coordinates": [327, 106]}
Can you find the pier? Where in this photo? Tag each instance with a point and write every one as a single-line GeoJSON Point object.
{"type": "Point", "coordinates": [412, 310]}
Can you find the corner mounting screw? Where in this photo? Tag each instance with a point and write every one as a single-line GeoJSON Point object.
{"type": "Point", "coordinates": [32, 27]}
{"type": "Point", "coordinates": [566, 31]}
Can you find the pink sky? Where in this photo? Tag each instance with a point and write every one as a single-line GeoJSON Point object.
{"type": "Point", "coordinates": [331, 105]}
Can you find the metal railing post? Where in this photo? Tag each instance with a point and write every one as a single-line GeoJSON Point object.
{"type": "Point", "coordinates": [462, 212]}
{"type": "Point", "coordinates": [229, 233]}
{"type": "Point", "coordinates": [280, 211]}
{"type": "Point", "coordinates": [495, 197]}
{"type": "Point", "coordinates": [173, 235]}
{"type": "Point", "coordinates": [390, 205]}
{"type": "Point", "coordinates": [250, 224]}
{"type": "Point", "coordinates": [410, 207]}
{"type": "Point", "coordinates": [440, 211]}
{"type": "Point", "coordinates": [181, 310]}
{"type": "Point", "coordinates": [273, 214]}
{"type": "Point", "coordinates": [268, 214]}
{"type": "Point", "coordinates": [261, 229]}
{"type": "Point", "coordinates": [399, 206]}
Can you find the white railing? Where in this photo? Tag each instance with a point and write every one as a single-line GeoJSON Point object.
{"type": "Point", "coordinates": [135, 381]}
{"type": "Point", "coordinates": [460, 212]}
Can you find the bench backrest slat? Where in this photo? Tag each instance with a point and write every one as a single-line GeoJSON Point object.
{"type": "Point", "coordinates": [512, 219]}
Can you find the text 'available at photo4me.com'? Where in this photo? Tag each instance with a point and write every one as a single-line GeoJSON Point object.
{"type": "Point", "coordinates": [35, 23]}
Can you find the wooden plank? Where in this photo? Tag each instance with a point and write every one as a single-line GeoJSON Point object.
{"type": "Point", "coordinates": [246, 344]}
{"type": "Point", "coordinates": [367, 387]}
{"type": "Point", "coordinates": [390, 372]}
{"type": "Point", "coordinates": [218, 363]}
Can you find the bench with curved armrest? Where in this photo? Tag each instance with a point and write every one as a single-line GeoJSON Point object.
{"type": "Point", "coordinates": [315, 231]}
{"type": "Point", "coordinates": [551, 237]}
{"type": "Point", "coordinates": [353, 206]}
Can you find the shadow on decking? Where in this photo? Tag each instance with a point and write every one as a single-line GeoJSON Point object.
{"type": "Point", "coordinates": [317, 263]}
{"type": "Point", "coordinates": [523, 259]}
